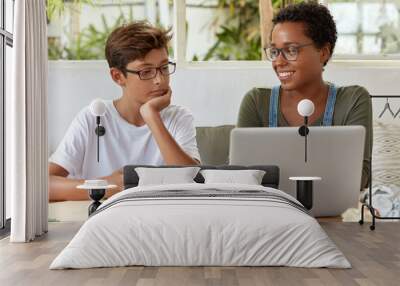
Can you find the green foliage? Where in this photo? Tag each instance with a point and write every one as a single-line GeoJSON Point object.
{"type": "Point", "coordinates": [239, 38]}
{"type": "Point", "coordinates": [89, 43]}
{"type": "Point", "coordinates": [390, 36]}
{"type": "Point", "coordinates": [57, 7]}
{"type": "Point", "coordinates": [54, 49]}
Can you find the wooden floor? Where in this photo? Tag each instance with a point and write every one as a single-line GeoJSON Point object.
{"type": "Point", "coordinates": [374, 255]}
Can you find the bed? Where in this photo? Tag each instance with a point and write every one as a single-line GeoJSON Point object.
{"type": "Point", "coordinates": [201, 224]}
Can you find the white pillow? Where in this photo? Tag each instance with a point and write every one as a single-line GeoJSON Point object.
{"type": "Point", "coordinates": [248, 177]}
{"type": "Point", "coordinates": [165, 176]}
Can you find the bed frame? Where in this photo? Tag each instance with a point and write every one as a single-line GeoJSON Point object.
{"type": "Point", "coordinates": [270, 179]}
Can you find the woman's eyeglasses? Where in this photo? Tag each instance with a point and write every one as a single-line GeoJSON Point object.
{"type": "Point", "coordinates": [290, 53]}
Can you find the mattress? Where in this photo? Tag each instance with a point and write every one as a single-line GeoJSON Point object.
{"type": "Point", "coordinates": [201, 225]}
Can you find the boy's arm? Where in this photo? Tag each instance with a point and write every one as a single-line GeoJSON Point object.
{"type": "Point", "coordinates": [62, 188]}
{"type": "Point", "coordinates": [170, 150]}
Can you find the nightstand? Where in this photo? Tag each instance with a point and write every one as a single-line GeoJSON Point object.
{"type": "Point", "coordinates": [97, 190]}
{"type": "Point", "coordinates": [304, 190]}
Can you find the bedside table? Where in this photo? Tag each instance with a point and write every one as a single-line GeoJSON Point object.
{"type": "Point", "coordinates": [304, 190]}
{"type": "Point", "coordinates": [97, 190]}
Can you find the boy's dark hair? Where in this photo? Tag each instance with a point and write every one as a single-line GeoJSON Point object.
{"type": "Point", "coordinates": [318, 21]}
{"type": "Point", "coordinates": [133, 41]}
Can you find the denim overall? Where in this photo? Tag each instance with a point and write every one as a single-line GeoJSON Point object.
{"type": "Point", "coordinates": [274, 101]}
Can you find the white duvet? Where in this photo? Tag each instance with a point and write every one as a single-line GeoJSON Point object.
{"type": "Point", "coordinates": [200, 231]}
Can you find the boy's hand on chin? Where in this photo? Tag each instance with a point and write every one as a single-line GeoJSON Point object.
{"type": "Point", "coordinates": [155, 105]}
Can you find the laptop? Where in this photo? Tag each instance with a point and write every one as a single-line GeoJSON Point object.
{"type": "Point", "coordinates": [334, 153]}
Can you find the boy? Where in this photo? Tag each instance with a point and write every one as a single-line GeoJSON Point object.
{"type": "Point", "coordinates": [141, 126]}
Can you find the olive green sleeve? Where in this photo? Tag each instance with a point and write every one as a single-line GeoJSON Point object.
{"type": "Point", "coordinates": [361, 114]}
{"type": "Point", "coordinates": [248, 112]}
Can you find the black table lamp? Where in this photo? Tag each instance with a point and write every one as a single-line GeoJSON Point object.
{"type": "Point", "coordinates": [305, 108]}
{"type": "Point", "coordinates": [98, 109]}
{"type": "Point", "coordinates": [304, 185]}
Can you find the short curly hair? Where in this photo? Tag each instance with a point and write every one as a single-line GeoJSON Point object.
{"type": "Point", "coordinates": [319, 24]}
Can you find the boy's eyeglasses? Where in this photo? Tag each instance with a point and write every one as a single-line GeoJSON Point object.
{"type": "Point", "coordinates": [150, 73]}
{"type": "Point", "coordinates": [290, 53]}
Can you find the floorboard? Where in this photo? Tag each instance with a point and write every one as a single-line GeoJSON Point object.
{"type": "Point", "coordinates": [374, 255]}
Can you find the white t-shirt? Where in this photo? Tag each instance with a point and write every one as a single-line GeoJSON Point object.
{"type": "Point", "coordinates": [122, 144]}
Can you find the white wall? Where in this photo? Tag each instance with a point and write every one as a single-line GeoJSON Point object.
{"type": "Point", "coordinates": [212, 91]}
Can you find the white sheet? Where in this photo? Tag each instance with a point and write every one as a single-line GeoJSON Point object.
{"type": "Point", "coordinates": [200, 231]}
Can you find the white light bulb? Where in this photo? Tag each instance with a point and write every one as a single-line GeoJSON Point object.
{"type": "Point", "coordinates": [98, 107]}
{"type": "Point", "coordinates": [305, 107]}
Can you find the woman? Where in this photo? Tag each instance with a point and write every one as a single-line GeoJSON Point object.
{"type": "Point", "coordinates": [302, 42]}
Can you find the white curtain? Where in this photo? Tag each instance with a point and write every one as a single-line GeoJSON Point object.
{"type": "Point", "coordinates": [26, 123]}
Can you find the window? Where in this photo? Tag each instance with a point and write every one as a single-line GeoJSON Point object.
{"type": "Point", "coordinates": [9, 12]}
{"type": "Point", "coordinates": [216, 30]}
{"type": "Point", "coordinates": [78, 30]}
{"type": "Point", "coordinates": [223, 30]}
{"type": "Point", "coordinates": [366, 27]}
{"type": "Point", "coordinates": [230, 29]}
{"type": "Point", "coordinates": [6, 43]}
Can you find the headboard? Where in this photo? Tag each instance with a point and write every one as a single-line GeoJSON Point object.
{"type": "Point", "coordinates": [270, 179]}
